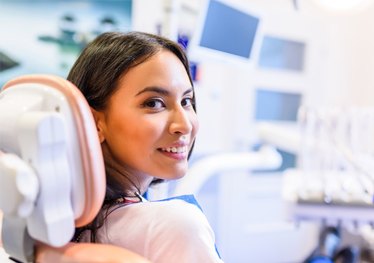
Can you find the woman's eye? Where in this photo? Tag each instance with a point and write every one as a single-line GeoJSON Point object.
{"type": "Point", "coordinates": [154, 104]}
{"type": "Point", "coordinates": [186, 102]}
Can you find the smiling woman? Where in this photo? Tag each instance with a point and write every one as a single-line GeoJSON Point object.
{"type": "Point", "coordinates": [161, 106]}
{"type": "Point", "coordinates": [142, 98]}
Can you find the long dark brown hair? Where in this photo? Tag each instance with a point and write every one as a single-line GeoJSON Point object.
{"type": "Point", "coordinates": [96, 73]}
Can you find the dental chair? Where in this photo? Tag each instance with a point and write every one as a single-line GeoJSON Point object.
{"type": "Point", "coordinates": [52, 176]}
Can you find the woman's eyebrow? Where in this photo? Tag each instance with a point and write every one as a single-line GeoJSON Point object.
{"type": "Point", "coordinates": [190, 90]}
{"type": "Point", "coordinates": [154, 89]}
{"type": "Point", "coordinates": [160, 90]}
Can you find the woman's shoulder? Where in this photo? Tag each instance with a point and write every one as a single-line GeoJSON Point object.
{"type": "Point", "coordinates": [172, 230]}
{"type": "Point", "coordinates": [174, 216]}
{"type": "Point", "coordinates": [165, 210]}
{"type": "Point", "coordinates": [186, 214]}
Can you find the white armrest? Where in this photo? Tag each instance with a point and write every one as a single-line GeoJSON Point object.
{"type": "Point", "coordinates": [266, 158]}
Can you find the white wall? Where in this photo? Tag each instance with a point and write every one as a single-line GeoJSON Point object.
{"type": "Point", "coordinates": [348, 57]}
{"type": "Point", "coordinates": [147, 15]}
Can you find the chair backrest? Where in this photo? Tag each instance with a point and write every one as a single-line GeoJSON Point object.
{"type": "Point", "coordinates": [87, 156]}
{"type": "Point", "coordinates": [52, 176]}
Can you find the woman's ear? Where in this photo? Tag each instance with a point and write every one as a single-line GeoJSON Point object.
{"type": "Point", "coordinates": [99, 121]}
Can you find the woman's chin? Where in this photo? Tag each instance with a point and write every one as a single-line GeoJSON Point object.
{"type": "Point", "coordinates": [179, 176]}
{"type": "Point", "coordinates": [175, 175]}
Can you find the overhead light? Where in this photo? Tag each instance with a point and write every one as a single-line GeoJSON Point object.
{"type": "Point", "coordinates": [344, 5]}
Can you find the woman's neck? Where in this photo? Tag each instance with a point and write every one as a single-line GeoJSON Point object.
{"type": "Point", "coordinates": [129, 180]}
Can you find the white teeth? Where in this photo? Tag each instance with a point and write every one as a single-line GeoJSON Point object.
{"type": "Point", "coordinates": [175, 149]}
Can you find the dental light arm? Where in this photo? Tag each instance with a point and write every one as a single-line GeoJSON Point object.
{"type": "Point", "coordinates": [283, 137]}
{"type": "Point", "coordinates": [266, 158]}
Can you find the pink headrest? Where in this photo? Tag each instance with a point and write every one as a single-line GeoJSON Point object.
{"type": "Point", "coordinates": [90, 149]}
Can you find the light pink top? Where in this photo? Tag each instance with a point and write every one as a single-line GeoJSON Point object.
{"type": "Point", "coordinates": [168, 232]}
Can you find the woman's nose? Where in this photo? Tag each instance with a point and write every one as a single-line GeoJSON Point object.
{"type": "Point", "coordinates": [181, 121]}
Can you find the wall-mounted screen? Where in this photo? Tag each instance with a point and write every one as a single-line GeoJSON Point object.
{"type": "Point", "coordinates": [225, 31]}
{"type": "Point", "coordinates": [276, 106]}
{"type": "Point", "coordinates": [281, 54]}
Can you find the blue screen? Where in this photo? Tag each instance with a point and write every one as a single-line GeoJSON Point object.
{"type": "Point", "coordinates": [229, 30]}
{"type": "Point", "coordinates": [276, 106]}
{"type": "Point", "coordinates": [277, 53]}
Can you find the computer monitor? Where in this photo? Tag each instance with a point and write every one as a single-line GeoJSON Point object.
{"type": "Point", "coordinates": [280, 53]}
{"type": "Point", "coordinates": [274, 105]}
{"type": "Point", "coordinates": [225, 33]}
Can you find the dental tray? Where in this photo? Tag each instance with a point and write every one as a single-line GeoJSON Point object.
{"type": "Point", "coordinates": [336, 208]}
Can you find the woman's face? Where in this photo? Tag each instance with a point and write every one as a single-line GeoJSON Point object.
{"type": "Point", "coordinates": [150, 124]}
